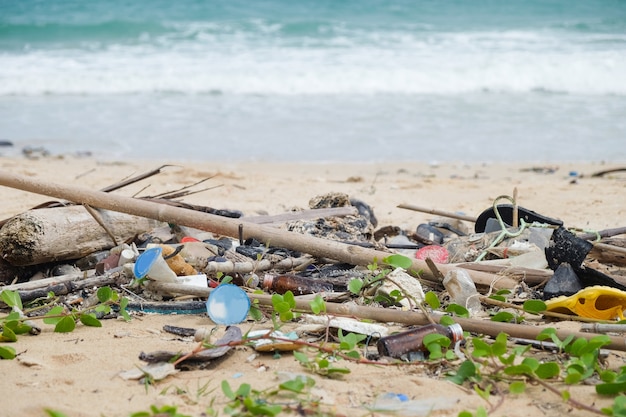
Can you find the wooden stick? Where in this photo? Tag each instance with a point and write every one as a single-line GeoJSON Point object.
{"type": "Point", "coordinates": [604, 233]}
{"type": "Point", "coordinates": [303, 215]}
{"type": "Point", "coordinates": [388, 315]}
{"type": "Point", "coordinates": [438, 212]}
{"type": "Point", "coordinates": [134, 179]}
{"type": "Point", "coordinates": [229, 267]}
{"type": "Point", "coordinates": [98, 219]}
{"type": "Point", "coordinates": [66, 287]}
{"type": "Point", "coordinates": [47, 282]}
{"type": "Point", "coordinates": [515, 209]}
{"type": "Point", "coordinates": [322, 248]}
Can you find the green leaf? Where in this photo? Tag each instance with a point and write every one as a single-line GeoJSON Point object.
{"type": "Point", "coordinates": [65, 325]}
{"type": "Point", "coordinates": [318, 304]}
{"type": "Point", "coordinates": [548, 370]}
{"type": "Point", "coordinates": [436, 338]}
{"type": "Point", "coordinates": [432, 300]}
{"type": "Point", "coordinates": [282, 307]}
{"type": "Point", "coordinates": [548, 333]}
{"type": "Point", "coordinates": [532, 363]}
{"type": "Point", "coordinates": [594, 344]}
{"type": "Point", "coordinates": [434, 351]}
{"type": "Point", "coordinates": [446, 321]}
{"type": "Point", "coordinates": [573, 377]}
{"type": "Point", "coordinates": [518, 370]}
{"type": "Point", "coordinates": [611, 388]}
{"type": "Point", "coordinates": [534, 306]}
{"type": "Point", "coordinates": [481, 348]}
{"type": "Point", "coordinates": [499, 346]}
{"type": "Point", "coordinates": [517, 387]}
{"type": "Point", "coordinates": [11, 298]}
{"type": "Point", "coordinates": [54, 311]}
{"type": "Point", "coordinates": [565, 394]}
{"type": "Point", "coordinates": [618, 409]}
{"type": "Point", "coordinates": [103, 308]}
{"type": "Point", "coordinates": [289, 299]}
{"type": "Point", "coordinates": [353, 354]}
{"type": "Point", "coordinates": [17, 326]}
{"type": "Point", "coordinates": [243, 390]}
{"type": "Point", "coordinates": [123, 312]}
{"type": "Point", "coordinates": [294, 385]}
{"type": "Point", "coordinates": [498, 297]}
{"type": "Point", "coordinates": [13, 315]}
{"type": "Point", "coordinates": [226, 280]}
{"type": "Point", "coordinates": [483, 393]}
{"type": "Point", "coordinates": [258, 408]}
{"type": "Point", "coordinates": [504, 317]}
{"type": "Point", "coordinates": [228, 392]}
{"type": "Point", "coordinates": [458, 310]}
{"type": "Point", "coordinates": [576, 347]}
{"type": "Point", "coordinates": [607, 375]}
{"type": "Point", "coordinates": [7, 352]}
{"type": "Point", "coordinates": [350, 340]}
{"type": "Point", "coordinates": [255, 313]}
{"type": "Point", "coordinates": [276, 298]}
{"type": "Point", "coordinates": [8, 335]}
{"type": "Point", "coordinates": [104, 294]}
{"type": "Point", "coordinates": [398, 261]}
{"type": "Point", "coordinates": [301, 357]}
{"type": "Point", "coordinates": [342, 371]}
{"type": "Point", "coordinates": [355, 285]}
{"type": "Point", "coordinates": [90, 320]}
{"type": "Point", "coordinates": [286, 316]}
{"type": "Point", "coordinates": [466, 370]}
{"type": "Point", "coordinates": [54, 413]}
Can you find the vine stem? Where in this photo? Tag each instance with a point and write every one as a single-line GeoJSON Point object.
{"type": "Point", "coordinates": [571, 401]}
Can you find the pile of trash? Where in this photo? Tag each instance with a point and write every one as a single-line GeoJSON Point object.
{"type": "Point", "coordinates": [222, 259]}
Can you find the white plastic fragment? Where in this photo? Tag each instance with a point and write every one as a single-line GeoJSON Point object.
{"type": "Point", "coordinates": [409, 287]}
{"type": "Point", "coordinates": [156, 371]}
{"type": "Point", "coordinates": [348, 324]}
{"type": "Point", "coordinates": [462, 290]}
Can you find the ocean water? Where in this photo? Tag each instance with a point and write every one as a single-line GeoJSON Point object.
{"type": "Point", "coordinates": [332, 80]}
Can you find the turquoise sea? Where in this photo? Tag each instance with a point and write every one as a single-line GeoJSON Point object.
{"type": "Point", "coordinates": [333, 80]}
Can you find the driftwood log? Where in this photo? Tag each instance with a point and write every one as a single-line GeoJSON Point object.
{"type": "Point", "coordinates": [41, 236]}
{"type": "Point", "coordinates": [315, 246]}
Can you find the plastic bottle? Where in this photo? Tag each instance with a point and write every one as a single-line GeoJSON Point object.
{"type": "Point", "coordinates": [462, 290]}
{"type": "Point", "coordinates": [413, 340]}
{"type": "Point", "coordinates": [296, 284]}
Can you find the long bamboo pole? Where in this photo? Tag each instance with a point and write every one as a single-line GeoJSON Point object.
{"type": "Point", "coordinates": [318, 247]}
{"type": "Point", "coordinates": [388, 315]}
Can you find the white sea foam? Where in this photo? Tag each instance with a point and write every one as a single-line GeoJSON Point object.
{"type": "Point", "coordinates": [367, 63]}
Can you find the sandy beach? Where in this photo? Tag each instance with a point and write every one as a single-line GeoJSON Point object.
{"type": "Point", "coordinates": [77, 373]}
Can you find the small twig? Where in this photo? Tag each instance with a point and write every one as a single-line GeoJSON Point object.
{"type": "Point", "coordinates": [607, 171]}
{"type": "Point", "coordinates": [185, 188]}
{"type": "Point", "coordinates": [570, 400]}
{"type": "Point", "coordinates": [98, 219]}
{"type": "Point", "coordinates": [433, 268]}
{"type": "Point", "coordinates": [438, 212]}
{"type": "Point", "coordinates": [554, 314]}
{"type": "Point", "coordinates": [134, 179]}
{"type": "Point", "coordinates": [515, 220]}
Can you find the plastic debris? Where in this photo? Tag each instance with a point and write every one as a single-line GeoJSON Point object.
{"type": "Point", "coordinates": [597, 302]}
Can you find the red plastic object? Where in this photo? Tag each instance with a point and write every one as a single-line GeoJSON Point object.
{"type": "Point", "coordinates": [188, 239]}
{"type": "Point", "coordinates": [438, 254]}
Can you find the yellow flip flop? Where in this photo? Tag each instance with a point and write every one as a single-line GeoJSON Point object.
{"type": "Point", "coordinates": [597, 302]}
